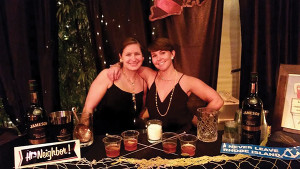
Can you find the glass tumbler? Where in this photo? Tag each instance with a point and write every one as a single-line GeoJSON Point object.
{"type": "Point", "coordinates": [207, 125]}
{"type": "Point", "coordinates": [112, 144]}
{"type": "Point", "coordinates": [169, 142]}
{"type": "Point", "coordinates": [83, 131]}
{"type": "Point", "coordinates": [130, 139]}
{"type": "Point", "coordinates": [188, 144]}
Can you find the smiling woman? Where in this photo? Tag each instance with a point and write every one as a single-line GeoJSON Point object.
{"type": "Point", "coordinates": [29, 47]}
{"type": "Point", "coordinates": [121, 101]}
{"type": "Point", "coordinates": [170, 89]}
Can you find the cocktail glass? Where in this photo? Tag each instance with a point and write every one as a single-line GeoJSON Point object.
{"type": "Point", "coordinates": [169, 142]}
{"type": "Point", "coordinates": [130, 139]}
{"type": "Point", "coordinates": [188, 144]}
{"type": "Point", "coordinates": [112, 144]}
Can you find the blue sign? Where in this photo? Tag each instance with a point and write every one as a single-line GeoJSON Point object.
{"type": "Point", "coordinates": [285, 153]}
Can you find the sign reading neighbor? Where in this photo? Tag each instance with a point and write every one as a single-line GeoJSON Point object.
{"type": "Point", "coordinates": [48, 153]}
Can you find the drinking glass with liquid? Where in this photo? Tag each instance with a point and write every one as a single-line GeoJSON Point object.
{"type": "Point", "coordinates": [169, 142]}
{"type": "Point", "coordinates": [188, 144]}
{"type": "Point", "coordinates": [130, 139]}
{"type": "Point", "coordinates": [112, 144]}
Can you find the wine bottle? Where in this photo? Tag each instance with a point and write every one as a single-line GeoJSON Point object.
{"type": "Point", "coordinates": [36, 117]}
{"type": "Point", "coordinates": [252, 108]}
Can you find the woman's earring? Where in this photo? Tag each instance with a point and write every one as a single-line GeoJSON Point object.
{"type": "Point", "coordinates": [121, 60]}
{"type": "Point", "coordinates": [172, 58]}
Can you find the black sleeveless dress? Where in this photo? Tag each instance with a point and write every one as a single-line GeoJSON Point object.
{"type": "Point", "coordinates": [178, 118]}
{"type": "Point", "coordinates": [115, 113]}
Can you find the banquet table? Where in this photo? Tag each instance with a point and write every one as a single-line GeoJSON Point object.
{"type": "Point", "coordinates": [94, 156]}
{"type": "Point", "coordinates": [147, 151]}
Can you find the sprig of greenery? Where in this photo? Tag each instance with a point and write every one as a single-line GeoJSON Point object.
{"type": "Point", "coordinates": [77, 68]}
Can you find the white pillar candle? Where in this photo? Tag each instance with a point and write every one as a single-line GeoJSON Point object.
{"type": "Point", "coordinates": [154, 131]}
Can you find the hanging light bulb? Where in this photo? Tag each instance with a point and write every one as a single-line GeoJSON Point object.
{"type": "Point", "coordinates": [66, 37]}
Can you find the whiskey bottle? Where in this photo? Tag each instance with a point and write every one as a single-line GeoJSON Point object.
{"type": "Point", "coordinates": [36, 117]}
{"type": "Point", "coordinates": [252, 108]}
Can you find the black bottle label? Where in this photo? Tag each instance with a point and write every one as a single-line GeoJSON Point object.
{"type": "Point", "coordinates": [251, 120]}
{"type": "Point", "coordinates": [251, 127]}
{"type": "Point", "coordinates": [37, 132]}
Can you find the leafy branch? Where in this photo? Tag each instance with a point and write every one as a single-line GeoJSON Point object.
{"type": "Point", "coordinates": [77, 69]}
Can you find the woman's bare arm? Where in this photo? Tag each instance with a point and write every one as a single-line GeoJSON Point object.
{"type": "Point", "coordinates": [147, 74]}
{"type": "Point", "coordinates": [96, 92]}
{"type": "Point", "coordinates": [204, 92]}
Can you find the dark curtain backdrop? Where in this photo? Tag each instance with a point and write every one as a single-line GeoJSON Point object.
{"type": "Point", "coordinates": [270, 37]}
{"type": "Point", "coordinates": [111, 22]}
{"type": "Point", "coordinates": [28, 50]}
{"type": "Point", "coordinates": [196, 33]}
{"type": "Point", "coordinates": [28, 41]}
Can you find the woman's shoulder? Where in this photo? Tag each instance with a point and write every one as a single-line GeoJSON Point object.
{"type": "Point", "coordinates": [146, 71]}
{"type": "Point", "coordinates": [186, 77]}
{"type": "Point", "coordinates": [147, 74]}
{"type": "Point", "coordinates": [103, 78]}
{"type": "Point", "coordinates": [183, 78]}
{"type": "Point", "coordinates": [104, 71]}
{"type": "Point", "coordinates": [189, 81]}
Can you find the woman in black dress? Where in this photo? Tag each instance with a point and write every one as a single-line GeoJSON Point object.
{"type": "Point", "coordinates": [116, 105]}
{"type": "Point", "coordinates": [169, 89]}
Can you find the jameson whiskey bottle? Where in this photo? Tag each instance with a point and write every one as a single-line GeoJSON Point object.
{"type": "Point", "coordinates": [252, 108]}
{"type": "Point", "coordinates": [36, 117]}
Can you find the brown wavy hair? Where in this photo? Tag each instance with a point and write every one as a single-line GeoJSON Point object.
{"type": "Point", "coordinates": [161, 44]}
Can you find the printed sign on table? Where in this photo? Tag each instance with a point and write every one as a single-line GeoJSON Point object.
{"type": "Point", "coordinates": [291, 110]}
{"type": "Point", "coordinates": [285, 153]}
{"type": "Point", "coordinates": [48, 153]}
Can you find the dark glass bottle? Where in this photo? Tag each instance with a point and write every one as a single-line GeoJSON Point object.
{"type": "Point", "coordinates": [252, 108]}
{"type": "Point", "coordinates": [36, 117]}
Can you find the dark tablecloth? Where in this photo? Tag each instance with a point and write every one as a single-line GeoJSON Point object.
{"type": "Point", "coordinates": [96, 152]}
{"type": "Point", "coordinates": [210, 149]}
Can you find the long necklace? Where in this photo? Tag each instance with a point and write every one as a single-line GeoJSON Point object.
{"type": "Point", "coordinates": [133, 94]}
{"type": "Point", "coordinates": [169, 101]}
